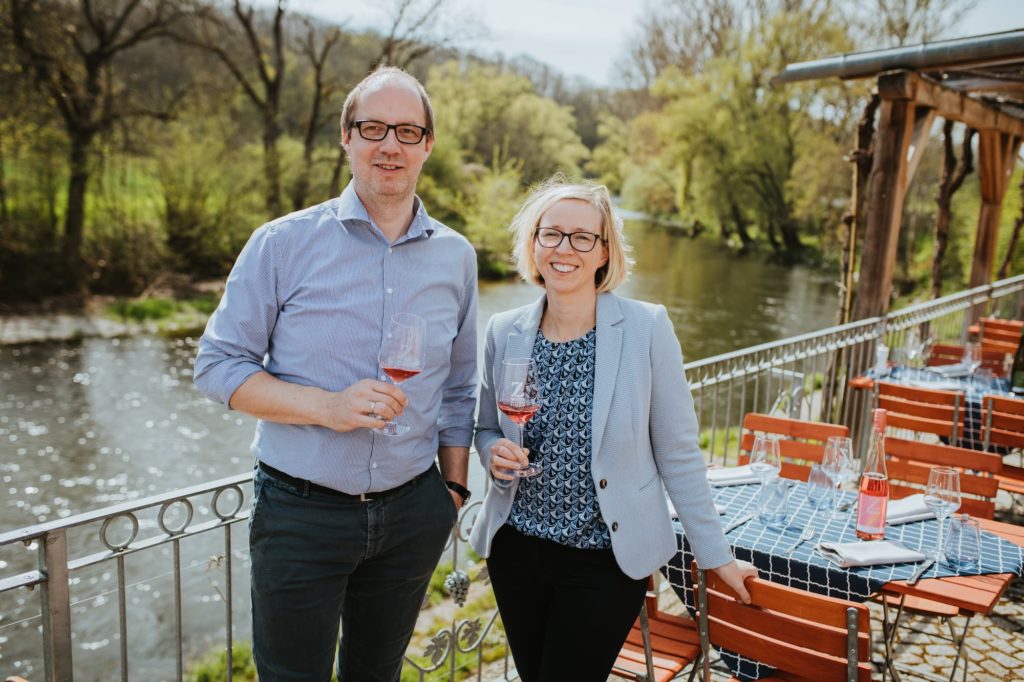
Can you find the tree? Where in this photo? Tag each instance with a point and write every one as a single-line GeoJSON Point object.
{"type": "Point", "coordinates": [953, 174]}
{"type": "Point", "coordinates": [75, 52]}
{"type": "Point", "coordinates": [256, 62]}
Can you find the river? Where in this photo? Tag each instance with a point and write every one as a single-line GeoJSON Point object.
{"type": "Point", "coordinates": [95, 422]}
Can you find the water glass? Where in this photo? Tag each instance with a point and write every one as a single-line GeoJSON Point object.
{"type": "Point", "coordinates": [819, 488]}
{"type": "Point", "coordinates": [774, 500]}
{"type": "Point", "coordinates": [963, 542]}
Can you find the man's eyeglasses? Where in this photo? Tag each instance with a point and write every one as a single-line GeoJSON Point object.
{"type": "Point", "coordinates": [375, 131]}
{"type": "Point", "coordinates": [550, 238]}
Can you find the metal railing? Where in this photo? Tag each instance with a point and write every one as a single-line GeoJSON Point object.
{"type": "Point", "coordinates": [805, 376]}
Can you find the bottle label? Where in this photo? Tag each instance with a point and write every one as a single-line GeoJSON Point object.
{"type": "Point", "coordinates": [871, 513]}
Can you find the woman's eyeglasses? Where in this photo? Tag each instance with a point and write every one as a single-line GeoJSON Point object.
{"type": "Point", "coordinates": [550, 238]}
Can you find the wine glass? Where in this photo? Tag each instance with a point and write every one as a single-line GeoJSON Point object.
{"type": "Point", "coordinates": [972, 356]}
{"type": "Point", "coordinates": [401, 357]}
{"type": "Point", "coordinates": [819, 487]}
{"type": "Point", "coordinates": [913, 347]}
{"type": "Point", "coordinates": [765, 460]}
{"type": "Point", "coordinates": [519, 400]}
{"type": "Point", "coordinates": [942, 496]}
{"type": "Point", "coordinates": [837, 463]}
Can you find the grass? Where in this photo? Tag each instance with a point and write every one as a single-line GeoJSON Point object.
{"type": "Point", "coordinates": [157, 309]}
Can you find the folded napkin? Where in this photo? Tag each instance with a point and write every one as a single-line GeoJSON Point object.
{"type": "Point", "coordinates": [907, 509]}
{"type": "Point", "coordinates": [732, 476]}
{"type": "Point", "coordinates": [875, 552]}
{"type": "Point", "coordinates": [951, 371]}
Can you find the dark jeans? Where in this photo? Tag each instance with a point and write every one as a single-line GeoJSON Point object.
{"type": "Point", "coordinates": [319, 558]}
{"type": "Point", "coordinates": [566, 611]}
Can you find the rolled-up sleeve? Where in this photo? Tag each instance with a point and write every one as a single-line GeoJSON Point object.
{"type": "Point", "coordinates": [458, 402]}
{"type": "Point", "coordinates": [237, 336]}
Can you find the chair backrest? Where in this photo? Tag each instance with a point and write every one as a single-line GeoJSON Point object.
{"type": "Point", "coordinates": [1007, 331]}
{"type": "Point", "coordinates": [993, 356]}
{"type": "Point", "coordinates": [802, 444]}
{"type": "Point", "coordinates": [921, 410]}
{"type": "Point", "coordinates": [911, 460]}
{"type": "Point", "coordinates": [808, 636]}
{"type": "Point", "coordinates": [1003, 421]}
{"type": "Point", "coordinates": [991, 348]}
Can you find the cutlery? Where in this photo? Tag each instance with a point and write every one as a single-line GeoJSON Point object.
{"type": "Point", "coordinates": [925, 565]}
{"type": "Point", "coordinates": [738, 521]}
{"type": "Point", "coordinates": [804, 537]}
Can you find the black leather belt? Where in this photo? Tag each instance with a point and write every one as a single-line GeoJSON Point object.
{"type": "Point", "coordinates": [306, 487]}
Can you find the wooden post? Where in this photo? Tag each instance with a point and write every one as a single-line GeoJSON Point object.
{"type": "Point", "coordinates": [902, 132]}
{"type": "Point", "coordinates": [997, 155]}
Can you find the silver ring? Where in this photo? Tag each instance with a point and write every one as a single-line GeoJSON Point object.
{"type": "Point", "coordinates": [373, 407]}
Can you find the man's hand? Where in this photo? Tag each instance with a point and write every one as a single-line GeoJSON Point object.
{"type": "Point", "coordinates": [456, 500]}
{"type": "Point", "coordinates": [506, 457]}
{"type": "Point", "coordinates": [366, 404]}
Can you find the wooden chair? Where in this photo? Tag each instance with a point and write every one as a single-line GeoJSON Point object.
{"type": "Point", "coordinates": [993, 357]}
{"type": "Point", "coordinates": [659, 645]}
{"type": "Point", "coordinates": [802, 445]}
{"type": "Point", "coordinates": [1003, 427]}
{"type": "Point", "coordinates": [908, 465]}
{"type": "Point", "coordinates": [1003, 331]}
{"type": "Point", "coordinates": [804, 636]}
{"type": "Point", "coordinates": [921, 410]}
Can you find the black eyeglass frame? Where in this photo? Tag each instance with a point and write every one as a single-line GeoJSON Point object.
{"type": "Point", "coordinates": [388, 127]}
{"type": "Point", "coordinates": [570, 235]}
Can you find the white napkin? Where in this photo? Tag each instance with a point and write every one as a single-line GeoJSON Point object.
{"type": "Point", "coordinates": [951, 371]}
{"type": "Point", "coordinates": [907, 509]}
{"type": "Point", "coordinates": [875, 552]}
{"type": "Point", "coordinates": [732, 476]}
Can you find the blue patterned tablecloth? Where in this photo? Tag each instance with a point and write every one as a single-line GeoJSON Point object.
{"type": "Point", "coordinates": [805, 569]}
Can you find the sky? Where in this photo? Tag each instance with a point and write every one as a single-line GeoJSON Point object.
{"type": "Point", "coordinates": [586, 37]}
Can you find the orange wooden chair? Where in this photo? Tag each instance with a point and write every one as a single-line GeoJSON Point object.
{"type": "Point", "coordinates": [802, 444]}
{"type": "Point", "coordinates": [659, 645]}
{"type": "Point", "coordinates": [804, 636]}
{"type": "Point", "coordinates": [921, 410]}
{"type": "Point", "coordinates": [1003, 426]}
{"type": "Point", "coordinates": [993, 357]}
{"type": "Point", "coordinates": [1003, 331]}
{"type": "Point", "coordinates": [908, 466]}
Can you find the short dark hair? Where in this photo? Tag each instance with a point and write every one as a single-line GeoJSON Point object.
{"type": "Point", "coordinates": [382, 74]}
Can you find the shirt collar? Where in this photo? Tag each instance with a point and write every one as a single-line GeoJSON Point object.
{"type": "Point", "coordinates": [350, 207]}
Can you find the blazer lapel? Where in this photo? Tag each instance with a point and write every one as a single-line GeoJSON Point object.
{"type": "Point", "coordinates": [606, 369]}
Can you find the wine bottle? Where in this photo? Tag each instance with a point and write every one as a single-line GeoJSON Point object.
{"type": "Point", "coordinates": [1017, 372]}
{"type": "Point", "coordinates": [873, 499]}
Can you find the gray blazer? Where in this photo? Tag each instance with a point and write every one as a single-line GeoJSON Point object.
{"type": "Point", "coordinates": [644, 435]}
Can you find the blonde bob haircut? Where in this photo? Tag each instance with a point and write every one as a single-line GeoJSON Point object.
{"type": "Point", "coordinates": [541, 199]}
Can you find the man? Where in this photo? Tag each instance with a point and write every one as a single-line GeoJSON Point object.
{"type": "Point", "coordinates": [348, 523]}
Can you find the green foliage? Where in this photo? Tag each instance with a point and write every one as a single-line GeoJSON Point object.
{"type": "Point", "coordinates": [495, 196]}
{"type": "Point", "coordinates": [212, 667]}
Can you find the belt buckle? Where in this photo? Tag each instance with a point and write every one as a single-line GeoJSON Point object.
{"type": "Point", "coordinates": [365, 497]}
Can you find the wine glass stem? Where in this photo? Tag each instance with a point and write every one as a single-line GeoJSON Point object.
{"type": "Point", "coordinates": [938, 550]}
{"type": "Point", "coordinates": [521, 436]}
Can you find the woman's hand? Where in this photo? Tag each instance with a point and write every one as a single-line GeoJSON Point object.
{"type": "Point", "coordinates": [734, 574]}
{"type": "Point", "coordinates": [506, 456]}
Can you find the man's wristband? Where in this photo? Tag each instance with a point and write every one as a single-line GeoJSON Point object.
{"type": "Point", "coordinates": [462, 490]}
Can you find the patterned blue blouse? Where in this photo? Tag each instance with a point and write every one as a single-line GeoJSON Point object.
{"type": "Point", "coordinates": [560, 504]}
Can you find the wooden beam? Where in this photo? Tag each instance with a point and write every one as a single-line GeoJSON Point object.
{"type": "Point", "coordinates": [887, 188]}
{"type": "Point", "coordinates": [997, 156]}
{"type": "Point", "coordinates": [924, 117]}
{"type": "Point", "coordinates": [947, 102]}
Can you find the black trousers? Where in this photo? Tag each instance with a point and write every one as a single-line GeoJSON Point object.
{"type": "Point", "coordinates": [566, 611]}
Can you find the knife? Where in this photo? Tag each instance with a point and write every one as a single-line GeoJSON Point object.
{"type": "Point", "coordinates": [738, 521]}
{"type": "Point", "coordinates": [925, 565]}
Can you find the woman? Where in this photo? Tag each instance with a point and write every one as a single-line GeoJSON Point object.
{"type": "Point", "coordinates": [569, 551]}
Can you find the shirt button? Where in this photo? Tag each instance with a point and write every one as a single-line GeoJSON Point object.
{"type": "Point", "coordinates": [603, 483]}
{"type": "Point", "coordinates": [615, 525]}
{"type": "Point", "coordinates": [390, 249]}
{"type": "Point", "coordinates": [374, 465]}
{"type": "Point", "coordinates": [390, 290]}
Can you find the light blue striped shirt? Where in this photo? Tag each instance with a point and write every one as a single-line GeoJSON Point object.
{"type": "Point", "coordinates": [306, 302]}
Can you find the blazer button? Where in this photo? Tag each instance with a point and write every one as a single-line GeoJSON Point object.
{"type": "Point", "coordinates": [615, 525]}
{"type": "Point", "coordinates": [603, 483]}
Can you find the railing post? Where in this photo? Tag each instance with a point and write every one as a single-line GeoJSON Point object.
{"type": "Point", "coordinates": [56, 603]}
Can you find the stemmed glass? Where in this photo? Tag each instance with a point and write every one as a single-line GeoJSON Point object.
{"type": "Point", "coordinates": [519, 400]}
{"type": "Point", "coordinates": [972, 356]}
{"type": "Point", "coordinates": [837, 463]}
{"type": "Point", "coordinates": [401, 357]}
{"type": "Point", "coordinates": [765, 458]}
{"type": "Point", "coordinates": [942, 496]}
{"type": "Point", "coordinates": [913, 346]}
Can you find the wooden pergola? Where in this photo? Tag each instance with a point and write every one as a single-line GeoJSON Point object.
{"type": "Point", "coordinates": [978, 81]}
